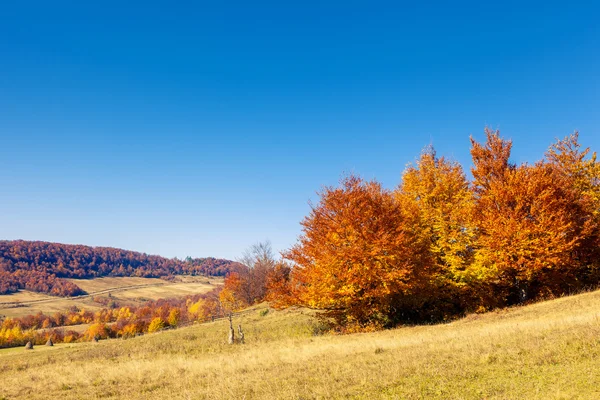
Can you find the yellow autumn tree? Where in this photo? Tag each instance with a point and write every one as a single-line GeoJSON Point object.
{"type": "Point", "coordinates": [97, 330]}
{"type": "Point", "coordinates": [439, 192]}
{"type": "Point", "coordinates": [196, 310]}
{"type": "Point", "coordinates": [157, 324]}
{"type": "Point", "coordinates": [174, 317]}
{"type": "Point", "coordinates": [12, 336]}
{"type": "Point", "coordinates": [123, 313]}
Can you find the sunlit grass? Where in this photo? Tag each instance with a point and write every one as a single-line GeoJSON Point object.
{"type": "Point", "coordinates": [548, 350]}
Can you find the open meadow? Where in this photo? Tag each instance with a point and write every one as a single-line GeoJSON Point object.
{"type": "Point", "coordinates": [121, 290]}
{"type": "Point", "coordinates": [548, 350]}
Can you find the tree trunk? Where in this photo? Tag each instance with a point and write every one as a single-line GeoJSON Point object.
{"type": "Point", "coordinates": [241, 334]}
{"type": "Point", "coordinates": [231, 331]}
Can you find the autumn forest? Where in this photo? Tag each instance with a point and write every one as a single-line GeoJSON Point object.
{"type": "Point", "coordinates": [40, 266]}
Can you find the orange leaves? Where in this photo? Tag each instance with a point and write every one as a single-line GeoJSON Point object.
{"type": "Point", "coordinates": [491, 161]}
{"type": "Point", "coordinates": [97, 330]}
{"type": "Point", "coordinates": [231, 295]}
{"type": "Point", "coordinates": [440, 245]}
{"type": "Point", "coordinates": [280, 292]}
{"type": "Point", "coordinates": [525, 220]}
{"type": "Point", "coordinates": [581, 171]}
{"type": "Point", "coordinates": [532, 222]}
{"type": "Point", "coordinates": [355, 254]}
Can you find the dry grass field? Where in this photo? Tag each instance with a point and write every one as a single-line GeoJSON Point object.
{"type": "Point", "coordinates": [549, 350]}
{"type": "Point", "coordinates": [129, 291]}
{"type": "Point", "coordinates": [108, 283]}
{"type": "Point", "coordinates": [32, 303]}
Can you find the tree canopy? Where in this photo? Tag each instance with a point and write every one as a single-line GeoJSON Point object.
{"type": "Point", "coordinates": [441, 245]}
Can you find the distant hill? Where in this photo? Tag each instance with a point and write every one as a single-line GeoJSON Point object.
{"type": "Point", "coordinates": [40, 266]}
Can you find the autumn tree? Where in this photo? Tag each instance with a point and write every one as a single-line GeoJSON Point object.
{"type": "Point", "coordinates": [280, 293]}
{"type": "Point", "coordinates": [197, 310]}
{"type": "Point", "coordinates": [527, 221]}
{"type": "Point", "coordinates": [174, 317]}
{"type": "Point", "coordinates": [247, 283]}
{"type": "Point", "coordinates": [156, 325]}
{"type": "Point", "coordinates": [97, 330]}
{"type": "Point", "coordinates": [438, 190]}
{"type": "Point", "coordinates": [579, 169]}
{"type": "Point", "coordinates": [260, 260]}
{"type": "Point", "coordinates": [357, 259]}
{"type": "Point", "coordinates": [491, 161]}
{"type": "Point", "coordinates": [233, 295]}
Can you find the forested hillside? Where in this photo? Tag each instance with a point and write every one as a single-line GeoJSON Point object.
{"type": "Point", "coordinates": [40, 266]}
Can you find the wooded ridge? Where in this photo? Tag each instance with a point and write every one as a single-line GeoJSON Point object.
{"type": "Point", "coordinates": [41, 266]}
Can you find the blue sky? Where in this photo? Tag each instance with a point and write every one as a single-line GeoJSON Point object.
{"type": "Point", "coordinates": [203, 127]}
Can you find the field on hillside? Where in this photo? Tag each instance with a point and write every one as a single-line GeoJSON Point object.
{"type": "Point", "coordinates": [548, 350]}
{"type": "Point", "coordinates": [108, 283]}
{"type": "Point", "coordinates": [123, 290]}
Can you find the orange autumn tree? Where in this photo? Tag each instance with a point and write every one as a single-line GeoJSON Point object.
{"type": "Point", "coordinates": [438, 189]}
{"type": "Point", "coordinates": [358, 258]}
{"type": "Point", "coordinates": [581, 171]}
{"type": "Point", "coordinates": [279, 290]}
{"type": "Point", "coordinates": [526, 218]}
{"type": "Point", "coordinates": [231, 296]}
{"type": "Point", "coordinates": [97, 330]}
{"type": "Point", "coordinates": [578, 166]}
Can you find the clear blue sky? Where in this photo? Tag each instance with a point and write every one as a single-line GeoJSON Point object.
{"type": "Point", "coordinates": [200, 128]}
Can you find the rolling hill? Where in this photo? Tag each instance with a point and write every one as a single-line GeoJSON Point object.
{"type": "Point", "coordinates": [43, 267]}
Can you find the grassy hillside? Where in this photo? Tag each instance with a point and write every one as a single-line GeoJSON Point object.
{"type": "Point", "coordinates": [548, 350]}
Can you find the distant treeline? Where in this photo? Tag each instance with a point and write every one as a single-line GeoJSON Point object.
{"type": "Point", "coordinates": [40, 266]}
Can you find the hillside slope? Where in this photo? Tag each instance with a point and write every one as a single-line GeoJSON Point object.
{"type": "Point", "coordinates": [548, 350]}
{"type": "Point", "coordinates": [41, 266]}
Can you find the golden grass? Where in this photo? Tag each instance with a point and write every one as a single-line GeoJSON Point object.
{"type": "Point", "coordinates": [124, 290]}
{"type": "Point", "coordinates": [166, 291]}
{"type": "Point", "coordinates": [106, 283]}
{"type": "Point", "coordinates": [23, 295]}
{"type": "Point", "coordinates": [549, 350]}
{"type": "Point", "coordinates": [49, 306]}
